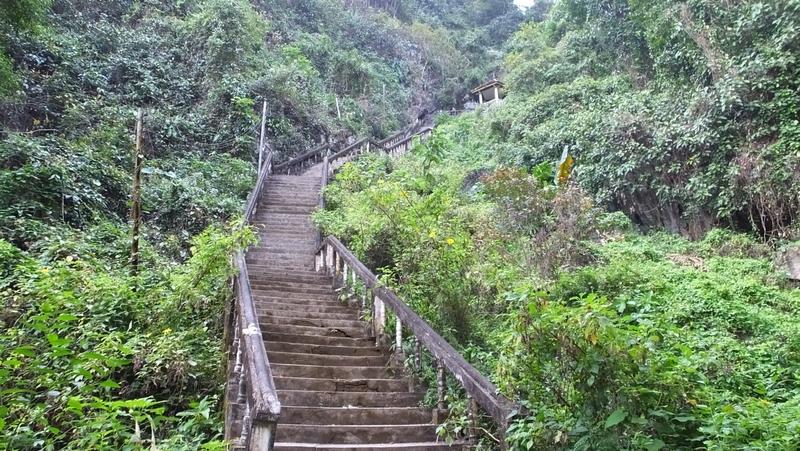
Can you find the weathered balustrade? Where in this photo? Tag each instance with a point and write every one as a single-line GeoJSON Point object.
{"type": "Point", "coordinates": [353, 151]}
{"type": "Point", "coordinates": [377, 300]}
{"type": "Point", "coordinates": [302, 162]}
{"type": "Point", "coordinates": [397, 147]}
{"type": "Point", "coordinates": [252, 408]}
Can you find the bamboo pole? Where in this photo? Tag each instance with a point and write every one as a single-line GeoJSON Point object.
{"type": "Point", "coordinates": [136, 196]}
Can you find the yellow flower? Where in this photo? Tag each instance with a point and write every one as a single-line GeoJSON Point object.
{"type": "Point", "coordinates": [167, 331]}
{"type": "Point", "coordinates": [432, 234]}
{"type": "Point", "coordinates": [451, 241]}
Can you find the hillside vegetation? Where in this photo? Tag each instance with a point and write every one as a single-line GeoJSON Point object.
{"type": "Point", "coordinates": [638, 300]}
{"type": "Point", "coordinates": [92, 357]}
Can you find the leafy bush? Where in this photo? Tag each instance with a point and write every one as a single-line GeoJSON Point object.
{"type": "Point", "coordinates": [89, 362]}
{"type": "Point", "coordinates": [674, 117]}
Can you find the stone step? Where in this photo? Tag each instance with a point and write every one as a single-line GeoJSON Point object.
{"type": "Point", "coordinates": [296, 181]}
{"type": "Point", "coordinates": [329, 372]}
{"type": "Point", "coordinates": [284, 290]}
{"type": "Point", "coordinates": [415, 446]}
{"type": "Point", "coordinates": [282, 238]}
{"type": "Point", "coordinates": [268, 218]}
{"type": "Point", "coordinates": [287, 307]}
{"type": "Point", "coordinates": [286, 197]}
{"type": "Point", "coordinates": [276, 307]}
{"type": "Point", "coordinates": [354, 415]}
{"type": "Point", "coordinates": [256, 253]}
{"type": "Point", "coordinates": [349, 398]}
{"type": "Point", "coordinates": [278, 257]}
{"type": "Point", "coordinates": [269, 243]}
{"type": "Point", "coordinates": [285, 194]}
{"type": "Point", "coordinates": [289, 189]}
{"type": "Point", "coordinates": [305, 249]}
{"type": "Point", "coordinates": [319, 349]}
{"type": "Point", "coordinates": [288, 265]}
{"type": "Point", "coordinates": [299, 228]}
{"type": "Point", "coordinates": [275, 208]}
{"type": "Point", "coordinates": [308, 281]}
{"type": "Point", "coordinates": [276, 216]}
{"type": "Point", "coordinates": [288, 275]}
{"type": "Point", "coordinates": [294, 194]}
{"type": "Point", "coordinates": [299, 293]}
{"type": "Point", "coordinates": [311, 322]}
{"type": "Point", "coordinates": [292, 178]}
{"type": "Point", "coordinates": [308, 300]}
{"type": "Point", "coordinates": [356, 434]}
{"type": "Point", "coordinates": [317, 339]}
{"type": "Point", "coordinates": [275, 259]}
{"type": "Point", "coordinates": [318, 281]}
{"type": "Point", "coordinates": [288, 231]}
{"type": "Point", "coordinates": [304, 314]}
{"type": "Point", "coordinates": [302, 227]}
{"type": "Point", "coordinates": [269, 270]}
{"type": "Point", "coordinates": [280, 201]}
{"type": "Point", "coordinates": [340, 385]}
{"type": "Point", "coordinates": [348, 332]}
{"type": "Point", "coordinates": [283, 296]}
{"type": "Point", "coordinates": [302, 223]}
{"type": "Point", "coordinates": [300, 358]}
{"type": "Point", "coordinates": [283, 266]}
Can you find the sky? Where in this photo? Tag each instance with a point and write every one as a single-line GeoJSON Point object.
{"type": "Point", "coordinates": [523, 3]}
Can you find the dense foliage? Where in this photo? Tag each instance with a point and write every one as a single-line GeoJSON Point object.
{"type": "Point", "coordinates": [612, 339]}
{"type": "Point", "coordinates": [682, 114]}
{"type": "Point", "coordinates": [93, 358]}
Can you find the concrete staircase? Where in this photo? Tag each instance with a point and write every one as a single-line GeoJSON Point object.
{"type": "Point", "coordinates": [335, 385]}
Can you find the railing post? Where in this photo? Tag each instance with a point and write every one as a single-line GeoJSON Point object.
{"type": "Point", "coordinates": [379, 313]}
{"type": "Point", "coordinates": [398, 335]}
{"type": "Point", "coordinates": [246, 425]}
{"type": "Point", "coordinates": [440, 384]}
{"type": "Point", "coordinates": [262, 437]}
{"type": "Point", "coordinates": [472, 430]}
{"type": "Point", "coordinates": [232, 394]}
{"type": "Point", "coordinates": [439, 414]}
{"type": "Point", "coordinates": [417, 365]}
{"type": "Point", "coordinates": [364, 301]}
{"type": "Point", "coordinates": [329, 259]}
{"type": "Point", "coordinates": [417, 355]}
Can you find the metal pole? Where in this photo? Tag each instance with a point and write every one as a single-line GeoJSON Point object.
{"type": "Point", "coordinates": [261, 138]}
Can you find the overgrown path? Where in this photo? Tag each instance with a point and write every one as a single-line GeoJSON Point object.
{"type": "Point", "coordinates": [314, 364]}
